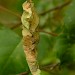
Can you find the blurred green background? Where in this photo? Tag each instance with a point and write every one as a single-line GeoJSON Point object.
{"type": "Point", "coordinates": [56, 48]}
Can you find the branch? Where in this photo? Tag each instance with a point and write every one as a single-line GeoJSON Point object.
{"type": "Point", "coordinates": [24, 73]}
{"type": "Point", "coordinates": [50, 33]}
{"type": "Point", "coordinates": [17, 25]}
{"type": "Point", "coordinates": [56, 8]}
{"type": "Point", "coordinates": [11, 12]}
{"type": "Point", "coordinates": [48, 67]}
{"type": "Point", "coordinates": [43, 13]}
{"type": "Point", "coordinates": [51, 68]}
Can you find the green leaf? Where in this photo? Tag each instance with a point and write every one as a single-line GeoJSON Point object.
{"type": "Point", "coordinates": [45, 73]}
{"type": "Point", "coordinates": [46, 55]}
{"type": "Point", "coordinates": [69, 13]}
{"type": "Point", "coordinates": [64, 46]}
{"type": "Point", "coordinates": [12, 59]}
{"type": "Point", "coordinates": [43, 47]}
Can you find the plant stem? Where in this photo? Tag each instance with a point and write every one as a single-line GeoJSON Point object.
{"type": "Point", "coordinates": [7, 10]}
{"type": "Point", "coordinates": [56, 8]}
{"type": "Point", "coordinates": [50, 33]}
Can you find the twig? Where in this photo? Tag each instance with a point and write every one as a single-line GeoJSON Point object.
{"type": "Point", "coordinates": [24, 73]}
{"type": "Point", "coordinates": [9, 11]}
{"type": "Point", "coordinates": [50, 67]}
{"type": "Point", "coordinates": [50, 33]}
{"type": "Point", "coordinates": [56, 8]}
{"type": "Point", "coordinates": [43, 13]}
{"type": "Point", "coordinates": [13, 13]}
{"type": "Point", "coordinates": [17, 25]}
